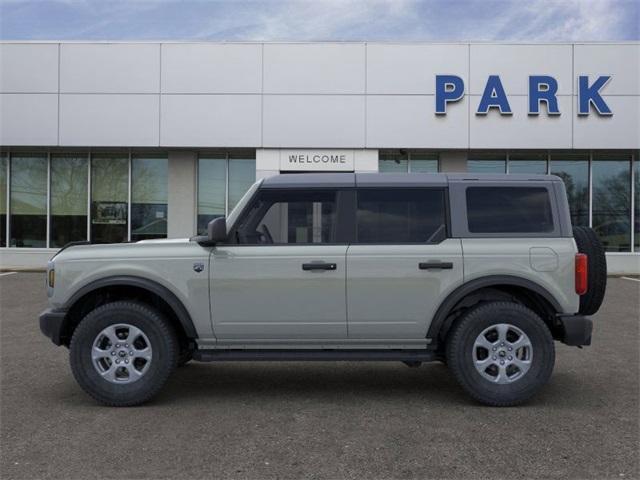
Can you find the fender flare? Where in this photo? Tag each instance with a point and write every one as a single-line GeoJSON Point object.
{"type": "Point", "coordinates": [132, 281]}
{"type": "Point", "coordinates": [440, 317]}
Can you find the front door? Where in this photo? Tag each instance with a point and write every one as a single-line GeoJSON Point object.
{"type": "Point", "coordinates": [282, 276]}
{"type": "Point", "coordinates": [401, 264]}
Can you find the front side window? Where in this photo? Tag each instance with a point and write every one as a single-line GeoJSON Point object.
{"type": "Point", "coordinates": [509, 210]}
{"type": "Point", "coordinates": [28, 201]}
{"type": "Point", "coordinates": [400, 215]}
{"type": "Point", "coordinates": [290, 217]}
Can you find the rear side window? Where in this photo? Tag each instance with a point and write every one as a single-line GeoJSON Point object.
{"type": "Point", "coordinates": [401, 216]}
{"type": "Point", "coordinates": [509, 210]}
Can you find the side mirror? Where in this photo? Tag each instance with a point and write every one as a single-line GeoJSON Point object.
{"type": "Point", "coordinates": [217, 230]}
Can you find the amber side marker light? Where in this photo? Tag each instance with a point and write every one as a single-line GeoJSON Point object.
{"type": "Point", "coordinates": [581, 274]}
{"type": "Point", "coordinates": [52, 278]}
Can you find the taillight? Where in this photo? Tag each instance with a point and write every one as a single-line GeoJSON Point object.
{"type": "Point", "coordinates": [581, 274]}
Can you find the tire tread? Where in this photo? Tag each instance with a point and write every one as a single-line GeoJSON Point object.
{"type": "Point", "coordinates": [166, 330]}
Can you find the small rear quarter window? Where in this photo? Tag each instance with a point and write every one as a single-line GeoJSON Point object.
{"type": "Point", "coordinates": [509, 210]}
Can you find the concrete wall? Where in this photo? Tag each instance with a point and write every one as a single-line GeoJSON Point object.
{"type": "Point", "coordinates": [182, 200]}
{"type": "Point", "coordinates": [306, 95]}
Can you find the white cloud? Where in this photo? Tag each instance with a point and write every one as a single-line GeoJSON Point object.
{"type": "Point", "coordinates": [305, 20]}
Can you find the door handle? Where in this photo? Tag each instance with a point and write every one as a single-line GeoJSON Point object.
{"type": "Point", "coordinates": [435, 265]}
{"type": "Point", "coordinates": [319, 266]}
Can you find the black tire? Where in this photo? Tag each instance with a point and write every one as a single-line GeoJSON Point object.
{"type": "Point", "coordinates": [460, 350]}
{"type": "Point", "coordinates": [588, 243]}
{"type": "Point", "coordinates": [164, 347]}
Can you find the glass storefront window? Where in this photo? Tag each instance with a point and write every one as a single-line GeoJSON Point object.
{"type": "Point", "coordinates": [487, 162]}
{"type": "Point", "coordinates": [28, 207]}
{"type": "Point", "coordinates": [528, 162]}
{"type": "Point", "coordinates": [423, 162]}
{"type": "Point", "coordinates": [242, 174]}
{"type": "Point", "coordinates": [149, 196]}
{"type": "Point", "coordinates": [212, 173]}
{"type": "Point", "coordinates": [109, 196]}
{"type": "Point", "coordinates": [393, 162]}
{"type": "Point", "coordinates": [68, 209]}
{"type": "Point", "coordinates": [217, 171]}
{"type": "Point", "coordinates": [636, 213]}
{"type": "Point", "coordinates": [4, 162]}
{"type": "Point", "coordinates": [611, 184]}
{"type": "Point", "coordinates": [573, 169]}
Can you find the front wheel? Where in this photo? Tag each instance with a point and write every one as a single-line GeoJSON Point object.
{"type": "Point", "coordinates": [122, 353]}
{"type": "Point", "coordinates": [501, 353]}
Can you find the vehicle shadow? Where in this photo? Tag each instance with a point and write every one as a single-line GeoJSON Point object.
{"type": "Point", "coordinates": [344, 382]}
{"type": "Point", "coordinates": [348, 381]}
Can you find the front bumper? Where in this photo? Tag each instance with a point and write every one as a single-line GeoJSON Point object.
{"type": "Point", "coordinates": [52, 323]}
{"type": "Point", "coordinates": [575, 330]}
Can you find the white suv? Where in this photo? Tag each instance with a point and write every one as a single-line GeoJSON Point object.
{"type": "Point", "coordinates": [481, 272]}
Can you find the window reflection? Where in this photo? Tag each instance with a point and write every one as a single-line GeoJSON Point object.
{"type": "Point", "coordinates": [574, 171]}
{"type": "Point", "coordinates": [217, 171]}
{"type": "Point", "coordinates": [68, 199]}
{"type": "Point", "coordinates": [4, 161]}
{"type": "Point", "coordinates": [399, 161]}
{"type": "Point", "coordinates": [487, 162]}
{"type": "Point", "coordinates": [109, 196]}
{"type": "Point", "coordinates": [242, 174]}
{"type": "Point", "coordinates": [212, 172]}
{"type": "Point", "coordinates": [636, 188]}
{"type": "Point", "coordinates": [28, 201]}
{"type": "Point", "coordinates": [611, 202]}
{"type": "Point", "coordinates": [393, 162]}
{"type": "Point", "coordinates": [149, 196]}
{"type": "Point", "coordinates": [528, 162]}
{"type": "Point", "coordinates": [423, 163]}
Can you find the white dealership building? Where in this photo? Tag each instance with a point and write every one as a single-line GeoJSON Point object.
{"type": "Point", "coordinates": [115, 142]}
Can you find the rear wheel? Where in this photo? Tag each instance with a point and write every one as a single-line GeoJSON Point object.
{"type": "Point", "coordinates": [122, 353]}
{"type": "Point", "coordinates": [588, 243]}
{"type": "Point", "coordinates": [501, 353]}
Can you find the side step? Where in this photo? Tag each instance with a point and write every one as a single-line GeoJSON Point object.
{"type": "Point", "coordinates": [314, 355]}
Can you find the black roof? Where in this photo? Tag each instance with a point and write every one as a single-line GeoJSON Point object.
{"type": "Point", "coordinates": [319, 180]}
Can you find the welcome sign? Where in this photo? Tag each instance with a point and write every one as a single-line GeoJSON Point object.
{"type": "Point", "coordinates": [317, 160]}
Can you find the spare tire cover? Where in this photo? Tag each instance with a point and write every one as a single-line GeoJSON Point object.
{"type": "Point", "coordinates": [589, 244]}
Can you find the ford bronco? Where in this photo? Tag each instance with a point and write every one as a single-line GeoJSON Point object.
{"type": "Point", "coordinates": [481, 272]}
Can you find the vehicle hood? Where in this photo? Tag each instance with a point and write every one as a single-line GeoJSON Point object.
{"type": "Point", "coordinates": [116, 251]}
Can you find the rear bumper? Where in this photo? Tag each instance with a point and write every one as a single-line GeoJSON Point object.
{"type": "Point", "coordinates": [576, 330]}
{"type": "Point", "coordinates": [51, 324]}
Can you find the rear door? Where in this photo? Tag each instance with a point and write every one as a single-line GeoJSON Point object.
{"type": "Point", "coordinates": [402, 263]}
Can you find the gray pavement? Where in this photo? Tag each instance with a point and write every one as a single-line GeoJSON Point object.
{"type": "Point", "coordinates": [319, 420]}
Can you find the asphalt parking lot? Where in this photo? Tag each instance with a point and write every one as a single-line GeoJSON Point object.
{"type": "Point", "coordinates": [319, 420]}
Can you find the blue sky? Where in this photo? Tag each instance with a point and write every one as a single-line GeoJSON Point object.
{"type": "Point", "coordinates": [306, 20]}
